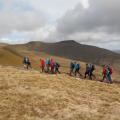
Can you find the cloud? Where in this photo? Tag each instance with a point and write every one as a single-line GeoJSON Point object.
{"type": "Point", "coordinates": [94, 25]}
{"type": "Point", "coordinates": [22, 18]}
{"type": "Point", "coordinates": [102, 15]}
{"type": "Point", "coordinates": [17, 15]}
{"type": "Point", "coordinates": [55, 8]}
{"type": "Point", "coordinates": [95, 22]}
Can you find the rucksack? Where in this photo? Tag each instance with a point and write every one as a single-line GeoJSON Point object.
{"type": "Point", "coordinates": [27, 60]}
{"type": "Point", "coordinates": [57, 65]}
{"type": "Point", "coordinates": [93, 67]}
{"type": "Point", "coordinates": [72, 65]}
{"type": "Point", "coordinates": [47, 62]}
{"type": "Point", "coordinates": [77, 66]}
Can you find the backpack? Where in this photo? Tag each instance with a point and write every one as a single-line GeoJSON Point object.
{"type": "Point", "coordinates": [47, 62]}
{"type": "Point", "coordinates": [26, 60]}
{"type": "Point", "coordinates": [93, 67]}
{"type": "Point", "coordinates": [57, 65]}
{"type": "Point", "coordinates": [88, 67]}
{"type": "Point", "coordinates": [78, 66]}
{"type": "Point", "coordinates": [72, 65]}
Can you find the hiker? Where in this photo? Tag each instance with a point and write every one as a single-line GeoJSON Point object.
{"type": "Point", "coordinates": [92, 68]}
{"type": "Point", "coordinates": [87, 72]}
{"type": "Point", "coordinates": [47, 63]}
{"type": "Point", "coordinates": [104, 73]}
{"type": "Point", "coordinates": [42, 65]}
{"type": "Point", "coordinates": [72, 66]}
{"type": "Point", "coordinates": [77, 69]}
{"type": "Point", "coordinates": [52, 66]}
{"type": "Point", "coordinates": [107, 72]}
{"type": "Point", "coordinates": [26, 63]}
{"type": "Point", "coordinates": [56, 67]}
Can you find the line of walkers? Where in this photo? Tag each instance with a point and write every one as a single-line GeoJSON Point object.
{"type": "Point", "coordinates": [48, 65]}
{"type": "Point", "coordinates": [75, 69]}
{"type": "Point", "coordinates": [51, 66]}
{"type": "Point", "coordinates": [90, 68]}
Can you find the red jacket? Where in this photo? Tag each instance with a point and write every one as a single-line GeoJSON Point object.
{"type": "Point", "coordinates": [42, 63]}
{"type": "Point", "coordinates": [104, 71]}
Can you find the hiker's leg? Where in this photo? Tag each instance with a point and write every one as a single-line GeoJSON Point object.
{"type": "Point", "coordinates": [90, 75]}
{"type": "Point", "coordinates": [94, 76]}
{"type": "Point", "coordinates": [30, 65]}
{"type": "Point", "coordinates": [107, 79]}
{"type": "Point", "coordinates": [75, 72]}
{"type": "Point", "coordinates": [85, 74]}
{"type": "Point", "coordinates": [42, 69]}
{"type": "Point", "coordinates": [27, 67]}
{"type": "Point", "coordinates": [79, 73]}
{"type": "Point", "coordinates": [71, 71]}
{"type": "Point", "coordinates": [104, 77]}
{"type": "Point", "coordinates": [24, 66]}
{"type": "Point", "coordinates": [52, 70]}
{"type": "Point", "coordinates": [47, 68]}
{"type": "Point", "coordinates": [58, 71]}
{"type": "Point", "coordinates": [110, 79]}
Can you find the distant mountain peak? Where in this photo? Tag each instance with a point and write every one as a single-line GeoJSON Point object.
{"type": "Point", "coordinates": [69, 42]}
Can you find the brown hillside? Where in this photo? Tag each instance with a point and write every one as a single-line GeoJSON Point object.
{"type": "Point", "coordinates": [64, 49]}
{"type": "Point", "coordinates": [9, 56]}
{"type": "Point", "coordinates": [76, 51]}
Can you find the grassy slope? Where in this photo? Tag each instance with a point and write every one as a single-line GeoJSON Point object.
{"type": "Point", "coordinates": [30, 95]}
{"type": "Point", "coordinates": [9, 56]}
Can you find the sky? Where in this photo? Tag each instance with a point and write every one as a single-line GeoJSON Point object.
{"type": "Point", "coordinates": [92, 22]}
